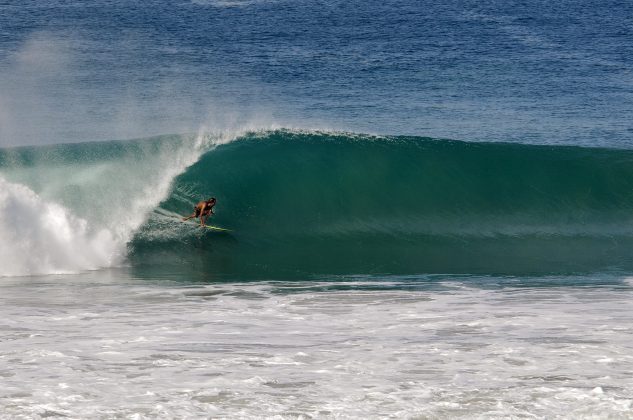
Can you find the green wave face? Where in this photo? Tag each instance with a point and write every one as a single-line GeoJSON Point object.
{"type": "Point", "coordinates": [332, 204]}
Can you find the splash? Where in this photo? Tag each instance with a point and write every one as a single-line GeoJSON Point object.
{"type": "Point", "coordinates": [42, 237]}
{"type": "Point", "coordinates": [70, 208]}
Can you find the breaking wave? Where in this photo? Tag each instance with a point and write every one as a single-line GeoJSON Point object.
{"type": "Point", "coordinates": [315, 203]}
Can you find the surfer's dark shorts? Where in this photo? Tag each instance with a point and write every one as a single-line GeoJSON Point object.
{"type": "Point", "coordinates": [197, 212]}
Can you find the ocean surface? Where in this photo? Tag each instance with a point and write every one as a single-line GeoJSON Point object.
{"type": "Point", "coordinates": [430, 209]}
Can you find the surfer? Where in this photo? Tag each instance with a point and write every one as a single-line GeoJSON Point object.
{"type": "Point", "coordinates": [203, 210]}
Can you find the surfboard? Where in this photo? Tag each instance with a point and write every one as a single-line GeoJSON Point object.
{"type": "Point", "coordinates": [216, 228]}
{"type": "Point", "coordinates": [210, 227]}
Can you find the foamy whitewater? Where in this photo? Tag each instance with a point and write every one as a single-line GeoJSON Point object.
{"type": "Point", "coordinates": [84, 213]}
{"type": "Point", "coordinates": [42, 237]}
{"type": "Point", "coordinates": [103, 348]}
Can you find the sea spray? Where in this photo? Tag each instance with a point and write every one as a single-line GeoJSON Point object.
{"type": "Point", "coordinates": [43, 237]}
{"type": "Point", "coordinates": [69, 208]}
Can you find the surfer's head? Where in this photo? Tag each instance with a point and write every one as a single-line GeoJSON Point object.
{"type": "Point", "coordinates": [211, 200]}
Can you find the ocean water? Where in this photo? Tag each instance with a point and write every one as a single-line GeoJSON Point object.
{"type": "Point", "coordinates": [430, 209]}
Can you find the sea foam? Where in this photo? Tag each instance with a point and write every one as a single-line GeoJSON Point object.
{"type": "Point", "coordinates": [62, 213]}
{"type": "Point", "coordinates": [44, 237]}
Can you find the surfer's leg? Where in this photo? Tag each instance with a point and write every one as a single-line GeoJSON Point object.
{"type": "Point", "coordinates": [195, 213]}
{"type": "Point", "coordinates": [203, 218]}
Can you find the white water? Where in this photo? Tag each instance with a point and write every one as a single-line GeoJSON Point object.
{"type": "Point", "coordinates": [38, 236]}
{"type": "Point", "coordinates": [60, 218]}
{"type": "Point", "coordinates": [92, 346]}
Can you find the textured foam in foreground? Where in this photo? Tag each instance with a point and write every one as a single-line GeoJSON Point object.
{"type": "Point", "coordinates": [100, 347]}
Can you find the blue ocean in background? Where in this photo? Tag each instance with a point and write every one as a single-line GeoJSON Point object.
{"type": "Point", "coordinates": [429, 204]}
{"type": "Point", "coordinates": [530, 72]}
